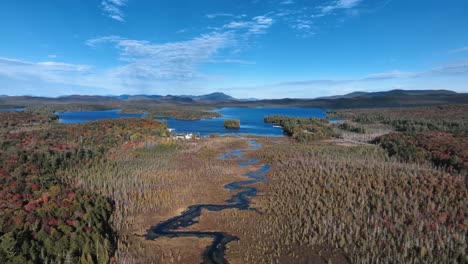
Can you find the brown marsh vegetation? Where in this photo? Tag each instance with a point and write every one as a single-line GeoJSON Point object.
{"type": "Point", "coordinates": [154, 181]}
{"type": "Point", "coordinates": [338, 204]}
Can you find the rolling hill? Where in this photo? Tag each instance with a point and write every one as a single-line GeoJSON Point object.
{"type": "Point", "coordinates": [392, 98]}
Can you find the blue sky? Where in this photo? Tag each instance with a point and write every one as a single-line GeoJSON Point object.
{"type": "Point", "coordinates": [245, 48]}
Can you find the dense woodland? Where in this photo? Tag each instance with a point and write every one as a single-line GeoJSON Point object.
{"type": "Point", "coordinates": [348, 126]}
{"type": "Point", "coordinates": [44, 219]}
{"type": "Point", "coordinates": [181, 112]}
{"type": "Point", "coordinates": [303, 129]}
{"type": "Point", "coordinates": [442, 149]}
{"type": "Point", "coordinates": [446, 118]}
{"type": "Point", "coordinates": [437, 134]}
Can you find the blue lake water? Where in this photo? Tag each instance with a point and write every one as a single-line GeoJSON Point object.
{"type": "Point", "coordinates": [251, 120]}
{"type": "Point", "coordinates": [74, 117]}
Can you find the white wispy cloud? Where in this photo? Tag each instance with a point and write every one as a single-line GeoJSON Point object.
{"type": "Point", "coordinates": [304, 17]}
{"type": "Point", "coordinates": [390, 75]}
{"type": "Point", "coordinates": [46, 71]}
{"type": "Point", "coordinates": [225, 15]}
{"type": "Point", "coordinates": [180, 60]}
{"type": "Point", "coordinates": [238, 24]}
{"type": "Point", "coordinates": [261, 24]}
{"type": "Point", "coordinates": [340, 4]}
{"type": "Point", "coordinates": [437, 78]}
{"type": "Point", "coordinates": [455, 69]}
{"type": "Point", "coordinates": [235, 61]}
{"type": "Point", "coordinates": [9, 65]}
{"type": "Point", "coordinates": [305, 27]}
{"type": "Point", "coordinates": [65, 76]}
{"type": "Point", "coordinates": [301, 16]}
{"type": "Point", "coordinates": [140, 76]}
{"type": "Point", "coordinates": [113, 9]}
{"type": "Point", "coordinates": [167, 61]}
{"type": "Point", "coordinates": [256, 25]}
{"type": "Point", "coordinates": [144, 64]}
{"type": "Point", "coordinates": [464, 49]}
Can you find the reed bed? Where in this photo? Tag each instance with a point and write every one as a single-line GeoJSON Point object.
{"type": "Point", "coordinates": [335, 204]}
{"type": "Point", "coordinates": [153, 180]}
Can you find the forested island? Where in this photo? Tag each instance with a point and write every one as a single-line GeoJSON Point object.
{"type": "Point", "coordinates": [232, 123]}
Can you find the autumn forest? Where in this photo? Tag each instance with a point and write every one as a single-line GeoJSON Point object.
{"type": "Point", "coordinates": [359, 186]}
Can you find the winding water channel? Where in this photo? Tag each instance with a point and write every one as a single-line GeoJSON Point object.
{"type": "Point", "coordinates": [215, 252]}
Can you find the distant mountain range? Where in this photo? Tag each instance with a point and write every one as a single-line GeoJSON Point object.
{"type": "Point", "coordinates": [211, 97]}
{"type": "Point", "coordinates": [182, 98]}
{"type": "Point", "coordinates": [207, 98]}
{"type": "Point", "coordinates": [397, 92]}
{"type": "Point", "coordinates": [393, 98]}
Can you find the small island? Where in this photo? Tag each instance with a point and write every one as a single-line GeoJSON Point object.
{"type": "Point", "coordinates": [232, 123]}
